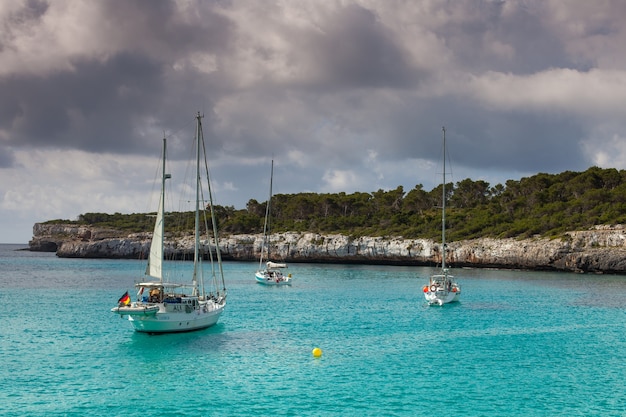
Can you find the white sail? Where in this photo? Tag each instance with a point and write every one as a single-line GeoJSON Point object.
{"type": "Point", "coordinates": [155, 260]}
{"type": "Point", "coordinates": [276, 265]}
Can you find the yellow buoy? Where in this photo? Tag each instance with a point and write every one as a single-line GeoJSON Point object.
{"type": "Point", "coordinates": [317, 352]}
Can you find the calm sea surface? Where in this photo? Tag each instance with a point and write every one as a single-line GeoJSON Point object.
{"type": "Point", "coordinates": [518, 344]}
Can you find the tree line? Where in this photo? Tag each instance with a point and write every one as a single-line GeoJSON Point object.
{"type": "Point", "coordinates": [543, 204]}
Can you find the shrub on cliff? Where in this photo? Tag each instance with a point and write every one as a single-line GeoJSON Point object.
{"type": "Point", "coordinates": [544, 204]}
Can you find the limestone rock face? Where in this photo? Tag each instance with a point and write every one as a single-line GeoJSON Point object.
{"type": "Point", "coordinates": [115, 248]}
{"type": "Point", "coordinates": [599, 250]}
{"type": "Point", "coordinates": [48, 237]}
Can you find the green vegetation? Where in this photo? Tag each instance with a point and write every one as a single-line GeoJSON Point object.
{"type": "Point", "coordinates": [543, 204]}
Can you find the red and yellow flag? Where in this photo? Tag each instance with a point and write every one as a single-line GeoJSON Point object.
{"type": "Point", "coordinates": [124, 299]}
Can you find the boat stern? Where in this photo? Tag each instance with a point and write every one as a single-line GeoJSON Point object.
{"type": "Point", "coordinates": [437, 294]}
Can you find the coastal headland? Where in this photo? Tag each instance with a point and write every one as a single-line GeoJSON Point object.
{"type": "Point", "coordinates": [601, 249]}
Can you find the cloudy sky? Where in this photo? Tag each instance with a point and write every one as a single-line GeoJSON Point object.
{"type": "Point", "coordinates": [344, 95]}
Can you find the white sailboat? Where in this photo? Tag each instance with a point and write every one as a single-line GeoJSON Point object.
{"type": "Point", "coordinates": [169, 307]}
{"type": "Point", "coordinates": [272, 272]}
{"type": "Point", "coordinates": [442, 287]}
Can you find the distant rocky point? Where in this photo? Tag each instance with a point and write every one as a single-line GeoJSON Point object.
{"type": "Point", "coordinates": [599, 250]}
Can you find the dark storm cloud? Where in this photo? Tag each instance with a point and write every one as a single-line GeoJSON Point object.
{"type": "Point", "coordinates": [501, 140]}
{"type": "Point", "coordinates": [354, 50]}
{"type": "Point", "coordinates": [29, 15]}
{"type": "Point", "coordinates": [98, 104]}
{"type": "Point", "coordinates": [168, 29]}
{"type": "Point", "coordinates": [7, 158]}
{"type": "Point", "coordinates": [496, 140]}
{"type": "Point", "coordinates": [487, 37]}
{"type": "Point", "coordinates": [91, 108]}
{"type": "Point", "coordinates": [519, 143]}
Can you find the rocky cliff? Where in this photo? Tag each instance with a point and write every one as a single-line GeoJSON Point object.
{"type": "Point", "coordinates": [600, 250]}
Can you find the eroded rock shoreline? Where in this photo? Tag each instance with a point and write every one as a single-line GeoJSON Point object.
{"type": "Point", "coordinates": [599, 250]}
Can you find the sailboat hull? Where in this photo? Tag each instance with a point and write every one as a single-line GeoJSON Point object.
{"type": "Point", "coordinates": [174, 322]}
{"type": "Point", "coordinates": [137, 310]}
{"type": "Point", "coordinates": [442, 297]}
{"type": "Point", "coordinates": [272, 278]}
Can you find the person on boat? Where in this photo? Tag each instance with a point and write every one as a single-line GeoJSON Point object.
{"type": "Point", "coordinates": [155, 295]}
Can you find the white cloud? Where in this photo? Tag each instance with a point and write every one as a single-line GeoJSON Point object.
{"type": "Point", "coordinates": [339, 180]}
{"type": "Point", "coordinates": [607, 151]}
{"type": "Point", "coordinates": [596, 92]}
{"type": "Point", "coordinates": [43, 38]}
{"type": "Point", "coordinates": [61, 184]}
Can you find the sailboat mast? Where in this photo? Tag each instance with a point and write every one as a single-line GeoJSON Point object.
{"type": "Point", "coordinates": [162, 208]}
{"type": "Point", "coordinates": [196, 254]}
{"type": "Point", "coordinates": [443, 205]}
{"type": "Point", "coordinates": [218, 255]}
{"type": "Point", "coordinates": [266, 224]}
{"type": "Point", "coordinates": [269, 211]}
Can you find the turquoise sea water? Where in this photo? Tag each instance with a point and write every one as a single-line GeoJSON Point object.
{"type": "Point", "coordinates": [518, 344]}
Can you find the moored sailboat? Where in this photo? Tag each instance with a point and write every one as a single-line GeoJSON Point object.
{"type": "Point", "coordinates": [442, 288]}
{"type": "Point", "coordinates": [169, 307]}
{"type": "Point", "coordinates": [272, 272]}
